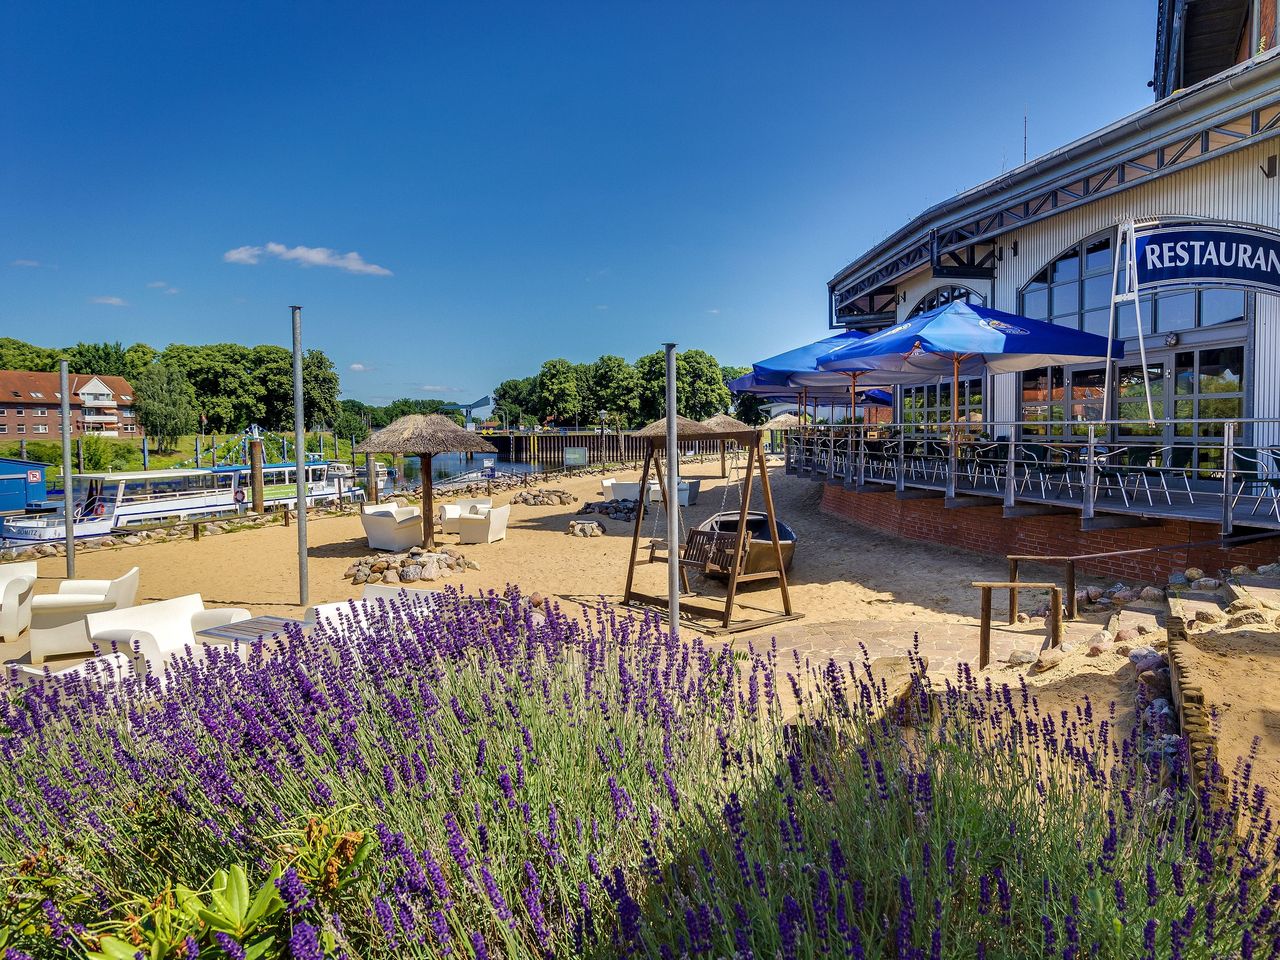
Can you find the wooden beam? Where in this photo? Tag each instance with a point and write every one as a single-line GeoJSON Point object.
{"type": "Point", "coordinates": [635, 534]}
{"type": "Point", "coordinates": [739, 542]}
{"type": "Point", "coordinates": [766, 491]}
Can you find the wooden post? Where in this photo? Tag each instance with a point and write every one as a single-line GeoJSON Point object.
{"type": "Point", "coordinates": [1013, 591]}
{"type": "Point", "coordinates": [195, 529]}
{"type": "Point", "coordinates": [984, 636]}
{"type": "Point", "coordinates": [286, 516]}
{"type": "Point", "coordinates": [371, 477]}
{"type": "Point", "coordinates": [428, 504]}
{"type": "Point", "coordinates": [255, 477]}
{"type": "Point", "coordinates": [635, 533]}
{"type": "Point", "coordinates": [724, 466]}
{"type": "Point", "coordinates": [1055, 617]}
{"type": "Point", "coordinates": [766, 492]}
{"type": "Point", "coordinates": [740, 543]}
{"type": "Point", "coordinates": [1073, 608]}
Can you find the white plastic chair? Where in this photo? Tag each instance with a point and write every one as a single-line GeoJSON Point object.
{"type": "Point", "coordinates": [58, 619]}
{"type": "Point", "coordinates": [152, 634]}
{"type": "Point", "coordinates": [17, 582]}
{"type": "Point", "coordinates": [451, 512]}
{"type": "Point", "coordinates": [626, 490]}
{"type": "Point", "coordinates": [484, 528]}
{"type": "Point", "coordinates": [393, 528]}
{"type": "Point", "coordinates": [335, 614]}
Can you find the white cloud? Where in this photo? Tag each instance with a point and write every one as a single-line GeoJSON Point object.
{"type": "Point", "coordinates": [108, 301]}
{"type": "Point", "coordinates": [21, 262]}
{"type": "Point", "coordinates": [307, 257]}
{"type": "Point", "coordinates": [714, 311]}
{"type": "Point", "coordinates": [436, 388]}
{"type": "Point", "coordinates": [358, 368]}
{"type": "Point", "coordinates": [173, 290]}
{"type": "Point", "coordinates": [157, 284]}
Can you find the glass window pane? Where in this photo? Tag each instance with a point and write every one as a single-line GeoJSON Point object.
{"type": "Point", "coordinates": [1135, 419]}
{"type": "Point", "coordinates": [1176, 311]}
{"type": "Point", "coordinates": [1097, 256]}
{"type": "Point", "coordinates": [1221, 408]}
{"type": "Point", "coordinates": [1184, 373]}
{"type": "Point", "coordinates": [1067, 266]}
{"type": "Point", "coordinates": [1221, 306]}
{"type": "Point", "coordinates": [1064, 299]}
{"type": "Point", "coordinates": [1221, 370]}
{"type": "Point", "coordinates": [1184, 411]}
{"type": "Point", "coordinates": [1095, 321]}
{"type": "Point", "coordinates": [1125, 326]}
{"type": "Point", "coordinates": [1035, 304]}
{"type": "Point", "coordinates": [1097, 291]}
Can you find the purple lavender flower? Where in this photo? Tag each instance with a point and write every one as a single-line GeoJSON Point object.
{"type": "Point", "coordinates": [229, 945]}
{"type": "Point", "coordinates": [293, 891]}
{"type": "Point", "coordinates": [304, 942]}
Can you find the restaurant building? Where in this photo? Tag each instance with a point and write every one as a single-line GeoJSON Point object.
{"type": "Point", "coordinates": [31, 406]}
{"type": "Point", "coordinates": [1196, 177]}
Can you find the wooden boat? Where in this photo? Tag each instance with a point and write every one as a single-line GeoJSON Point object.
{"type": "Point", "coordinates": [760, 551]}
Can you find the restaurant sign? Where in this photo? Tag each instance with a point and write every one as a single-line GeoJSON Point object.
{"type": "Point", "coordinates": [1196, 253]}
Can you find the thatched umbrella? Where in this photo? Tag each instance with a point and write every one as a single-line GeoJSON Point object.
{"type": "Point", "coordinates": [723, 423]}
{"type": "Point", "coordinates": [783, 421]}
{"type": "Point", "coordinates": [686, 429]}
{"type": "Point", "coordinates": [423, 436]}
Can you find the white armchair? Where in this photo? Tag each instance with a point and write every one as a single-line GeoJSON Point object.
{"type": "Point", "coordinates": [486, 527]}
{"type": "Point", "coordinates": [58, 619]}
{"type": "Point", "coordinates": [451, 512]}
{"type": "Point", "coordinates": [606, 488]}
{"type": "Point", "coordinates": [17, 582]}
{"type": "Point", "coordinates": [686, 492]}
{"type": "Point", "coordinates": [152, 634]}
{"type": "Point", "coordinates": [393, 528]}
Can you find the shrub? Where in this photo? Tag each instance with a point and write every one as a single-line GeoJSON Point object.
{"type": "Point", "coordinates": [475, 781]}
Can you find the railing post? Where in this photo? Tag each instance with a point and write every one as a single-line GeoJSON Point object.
{"type": "Point", "coordinates": [1228, 456]}
{"type": "Point", "coordinates": [900, 481]}
{"type": "Point", "coordinates": [1090, 478]}
{"type": "Point", "coordinates": [953, 462]}
{"type": "Point", "coordinates": [1013, 591]}
{"type": "Point", "coordinates": [862, 459]}
{"type": "Point", "coordinates": [1073, 607]}
{"type": "Point", "coordinates": [1011, 464]}
{"type": "Point", "coordinates": [984, 636]}
{"type": "Point", "coordinates": [848, 456]}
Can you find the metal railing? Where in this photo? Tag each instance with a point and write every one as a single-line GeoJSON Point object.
{"type": "Point", "coordinates": [1225, 471]}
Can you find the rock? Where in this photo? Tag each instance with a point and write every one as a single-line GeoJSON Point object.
{"type": "Point", "coordinates": [1209, 616]}
{"type": "Point", "coordinates": [132, 540]}
{"type": "Point", "coordinates": [391, 575]}
{"type": "Point", "coordinates": [1116, 587]}
{"type": "Point", "coordinates": [1023, 618]}
{"type": "Point", "coordinates": [1193, 574]}
{"type": "Point", "coordinates": [1021, 657]}
{"type": "Point", "coordinates": [472, 565]}
{"type": "Point", "coordinates": [1098, 649]}
{"type": "Point", "coordinates": [1137, 653]}
{"type": "Point", "coordinates": [375, 577]}
{"type": "Point", "coordinates": [1124, 596]}
{"type": "Point", "coordinates": [453, 552]}
{"type": "Point", "coordinates": [1243, 603]}
{"type": "Point", "coordinates": [411, 573]}
{"type": "Point", "coordinates": [361, 576]}
{"type": "Point", "coordinates": [1269, 569]}
{"type": "Point", "coordinates": [108, 541]}
{"type": "Point", "coordinates": [1094, 594]}
{"type": "Point", "coordinates": [379, 566]}
{"type": "Point", "coordinates": [1247, 618]}
{"type": "Point", "coordinates": [1048, 659]}
{"type": "Point", "coordinates": [351, 570]}
{"type": "Point", "coordinates": [535, 600]}
{"type": "Point", "coordinates": [1152, 594]}
{"type": "Point", "coordinates": [1122, 649]}
{"type": "Point", "coordinates": [1127, 636]}
{"type": "Point", "coordinates": [430, 568]}
{"type": "Point", "coordinates": [1153, 662]}
{"type": "Point", "coordinates": [1156, 682]}
{"type": "Point", "coordinates": [1178, 580]}
{"type": "Point", "coordinates": [1207, 584]}
{"type": "Point", "coordinates": [1240, 570]}
{"type": "Point", "coordinates": [1143, 629]}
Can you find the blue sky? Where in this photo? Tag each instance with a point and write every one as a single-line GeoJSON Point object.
{"type": "Point", "coordinates": [456, 192]}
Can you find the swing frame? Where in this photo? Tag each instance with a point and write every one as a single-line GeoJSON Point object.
{"type": "Point", "coordinates": [751, 441]}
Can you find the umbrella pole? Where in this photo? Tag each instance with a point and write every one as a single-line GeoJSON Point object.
{"type": "Point", "coordinates": [428, 505]}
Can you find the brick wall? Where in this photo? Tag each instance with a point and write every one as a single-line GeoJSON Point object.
{"type": "Point", "coordinates": [986, 530]}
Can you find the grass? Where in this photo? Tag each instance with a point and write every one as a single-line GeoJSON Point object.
{"type": "Point", "coordinates": [125, 453]}
{"type": "Point", "coordinates": [475, 782]}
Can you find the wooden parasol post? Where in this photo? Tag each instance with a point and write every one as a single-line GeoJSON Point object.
{"type": "Point", "coordinates": [428, 504]}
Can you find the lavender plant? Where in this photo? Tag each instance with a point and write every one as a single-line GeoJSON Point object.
{"type": "Point", "coordinates": [481, 780]}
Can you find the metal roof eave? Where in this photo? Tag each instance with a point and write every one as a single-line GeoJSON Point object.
{"type": "Point", "coordinates": [1149, 127]}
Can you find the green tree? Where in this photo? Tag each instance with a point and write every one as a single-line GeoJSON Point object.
{"type": "Point", "coordinates": [136, 359]}
{"type": "Point", "coordinates": [514, 400]}
{"type": "Point", "coordinates": [746, 407]}
{"type": "Point", "coordinates": [558, 396]}
{"type": "Point", "coordinates": [227, 390]}
{"type": "Point", "coordinates": [350, 425]}
{"type": "Point", "coordinates": [273, 369]}
{"type": "Point", "coordinates": [98, 359]}
{"type": "Point", "coordinates": [617, 388]}
{"type": "Point", "coordinates": [320, 386]}
{"type": "Point", "coordinates": [20, 355]}
{"type": "Point", "coordinates": [165, 405]}
{"type": "Point", "coordinates": [700, 389]}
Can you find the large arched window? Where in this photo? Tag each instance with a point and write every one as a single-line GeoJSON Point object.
{"type": "Point", "coordinates": [944, 295]}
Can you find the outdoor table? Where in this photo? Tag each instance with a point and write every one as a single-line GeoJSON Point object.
{"type": "Point", "coordinates": [249, 631]}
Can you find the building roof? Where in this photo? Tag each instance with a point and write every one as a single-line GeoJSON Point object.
{"type": "Point", "coordinates": [1103, 162]}
{"type": "Point", "coordinates": [28, 383]}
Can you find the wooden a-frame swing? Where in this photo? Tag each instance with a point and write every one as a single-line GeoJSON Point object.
{"type": "Point", "coordinates": [707, 551]}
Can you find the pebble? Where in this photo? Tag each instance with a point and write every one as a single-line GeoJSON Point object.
{"type": "Point", "coordinates": [1137, 653]}
{"type": "Point", "coordinates": [1102, 636]}
{"type": "Point", "coordinates": [1205, 583]}
{"type": "Point", "coordinates": [1048, 659]}
{"type": "Point", "coordinates": [1023, 618]}
{"type": "Point", "coordinates": [1022, 657]}
{"type": "Point", "coordinates": [1178, 580]}
{"type": "Point", "coordinates": [1240, 570]}
{"type": "Point", "coordinates": [1123, 649]}
{"type": "Point", "coordinates": [1095, 594]}
{"type": "Point", "coordinates": [1153, 594]}
{"type": "Point", "coordinates": [1193, 574]}
{"type": "Point", "coordinates": [1124, 596]}
{"type": "Point", "coordinates": [1153, 662]}
{"type": "Point", "coordinates": [1127, 636]}
{"type": "Point", "coordinates": [1098, 649]}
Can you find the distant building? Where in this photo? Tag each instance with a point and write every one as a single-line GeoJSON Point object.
{"type": "Point", "coordinates": [31, 406]}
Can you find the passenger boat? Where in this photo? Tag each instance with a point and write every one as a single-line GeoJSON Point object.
{"type": "Point", "coordinates": [760, 549]}
{"type": "Point", "coordinates": [105, 502]}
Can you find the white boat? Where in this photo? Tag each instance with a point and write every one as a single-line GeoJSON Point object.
{"type": "Point", "coordinates": [105, 502]}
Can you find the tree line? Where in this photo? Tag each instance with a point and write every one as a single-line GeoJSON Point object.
{"type": "Point", "coordinates": [217, 387]}
{"type": "Point", "coordinates": [566, 394]}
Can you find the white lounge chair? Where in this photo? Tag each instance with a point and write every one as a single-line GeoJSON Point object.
{"type": "Point", "coordinates": [152, 634]}
{"type": "Point", "coordinates": [58, 619]}
{"type": "Point", "coordinates": [17, 581]}
{"type": "Point", "coordinates": [451, 512]}
{"type": "Point", "coordinates": [626, 491]}
{"type": "Point", "coordinates": [484, 528]}
{"type": "Point", "coordinates": [333, 614]}
{"type": "Point", "coordinates": [686, 492]}
{"type": "Point", "coordinates": [606, 488]}
{"type": "Point", "coordinates": [392, 528]}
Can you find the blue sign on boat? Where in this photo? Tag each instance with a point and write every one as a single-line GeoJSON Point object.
{"type": "Point", "coordinates": [1194, 253]}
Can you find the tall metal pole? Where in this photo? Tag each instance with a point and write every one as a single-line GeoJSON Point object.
{"type": "Point", "coordinates": [68, 507]}
{"type": "Point", "coordinates": [673, 498]}
{"type": "Point", "coordinates": [299, 455]}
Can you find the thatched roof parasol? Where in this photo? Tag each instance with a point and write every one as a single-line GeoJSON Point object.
{"type": "Point", "coordinates": [723, 423]}
{"type": "Point", "coordinates": [783, 421]}
{"type": "Point", "coordinates": [686, 429]}
{"type": "Point", "coordinates": [424, 436]}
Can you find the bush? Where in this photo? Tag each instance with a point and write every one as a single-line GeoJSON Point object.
{"type": "Point", "coordinates": [476, 782]}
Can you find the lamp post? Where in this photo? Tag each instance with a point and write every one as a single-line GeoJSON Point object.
{"type": "Point", "coordinates": [673, 499]}
{"type": "Point", "coordinates": [67, 504]}
{"type": "Point", "coordinates": [299, 456]}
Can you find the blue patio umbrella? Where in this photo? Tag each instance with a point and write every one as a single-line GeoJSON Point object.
{"type": "Point", "coordinates": [799, 367]}
{"type": "Point", "coordinates": [749, 383]}
{"type": "Point", "coordinates": [965, 339]}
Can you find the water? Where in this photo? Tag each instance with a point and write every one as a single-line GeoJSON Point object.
{"type": "Point", "coordinates": [410, 469]}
